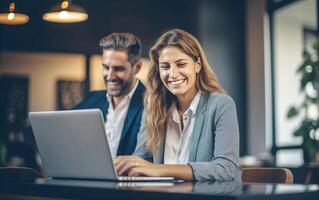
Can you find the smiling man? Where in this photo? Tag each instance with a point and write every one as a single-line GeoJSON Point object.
{"type": "Point", "coordinates": [122, 102]}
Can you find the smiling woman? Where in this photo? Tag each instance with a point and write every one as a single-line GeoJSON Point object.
{"type": "Point", "coordinates": [178, 73]}
{"type": "Point", "coordinates": [191, 125]}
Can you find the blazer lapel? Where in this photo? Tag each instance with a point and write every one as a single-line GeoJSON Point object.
{"type": "Point", "coordinates": [197, 130]}
{"type": "Point", "coordinates": [104, 106]}
{"type": "Point", "coordinates": [134, 107]}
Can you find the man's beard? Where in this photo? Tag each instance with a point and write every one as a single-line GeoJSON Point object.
{"type": "Point", "coordinates": [124, 87]}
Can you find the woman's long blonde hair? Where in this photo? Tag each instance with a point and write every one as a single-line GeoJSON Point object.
{"type": "Point", "coordinates": [157, 98]}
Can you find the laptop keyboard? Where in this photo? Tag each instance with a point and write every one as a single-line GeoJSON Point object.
{"type": "Point", "coordinates": [133, 178]}
{"type": "Point", "coordinates": [141, 178]}
{"type": "Point", "coordinates": [143, 184]}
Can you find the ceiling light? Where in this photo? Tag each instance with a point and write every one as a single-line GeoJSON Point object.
{"type": "Point", "coordinates": [66, 12]}
{"type": "Point", "coordinates": [12, 17]}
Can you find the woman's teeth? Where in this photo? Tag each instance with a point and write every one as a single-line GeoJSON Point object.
{"type": "Point", "coordinates": [176, 82]}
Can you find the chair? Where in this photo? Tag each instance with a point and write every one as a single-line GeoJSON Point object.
{"type": "Point", "coordinates": [266, 175]}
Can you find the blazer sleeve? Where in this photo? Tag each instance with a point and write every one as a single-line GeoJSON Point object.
{"type": "Point", "coordinates": [224, 164]}
{"type": "Point", "coordinates": [140, 149]}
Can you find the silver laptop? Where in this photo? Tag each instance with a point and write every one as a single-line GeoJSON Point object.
{"type": "Point", "coordinates": [73, 144]}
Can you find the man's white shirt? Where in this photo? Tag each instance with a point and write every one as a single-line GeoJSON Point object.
{"type": "Point", "coordinates": [115, 118]}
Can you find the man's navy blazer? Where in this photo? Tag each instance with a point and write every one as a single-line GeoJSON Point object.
{"type": "Point", "coordinates": [97, 99]}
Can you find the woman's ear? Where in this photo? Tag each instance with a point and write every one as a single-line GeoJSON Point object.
{"type": "Point", "coordinates": [198, 65]}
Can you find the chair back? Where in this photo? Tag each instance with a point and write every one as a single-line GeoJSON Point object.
{"type": "Point", "coordinates": [266, 175]}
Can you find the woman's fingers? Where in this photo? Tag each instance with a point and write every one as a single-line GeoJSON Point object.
{"type": "Point", "coordinates": [137, 171]}
{"type": "Point", "coordinates": [131, 165]}
{"type": "Point", "coordinates": [120, 161]}
{"type": "Point", "coordinates": [144, 171]}
{"type": "Point", "coordinates": [126, 167]}
{"type": "Point", "coordinates": [124, 163]}
{"type": "Point", "coordinates": [118, 164]}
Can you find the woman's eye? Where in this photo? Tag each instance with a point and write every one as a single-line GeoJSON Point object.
{"type": "Point", "coordinates": [181, 64]}
{"type": "Point", "coordinates": [164, 66]}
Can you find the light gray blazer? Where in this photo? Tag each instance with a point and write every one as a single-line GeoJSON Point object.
{"type": "Point", "coordinates": [214, 147]}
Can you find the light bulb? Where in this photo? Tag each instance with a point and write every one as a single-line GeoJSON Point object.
{"type": "Point", "coordinates": [63, 14]}
{"type": "Point", "coordinates": [10, 16]}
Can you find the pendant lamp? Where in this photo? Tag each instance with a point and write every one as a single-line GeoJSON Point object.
{"type": "Point", "coordinates": [13, 18]}
{"type": "Point", "coordinates": [66, 12]}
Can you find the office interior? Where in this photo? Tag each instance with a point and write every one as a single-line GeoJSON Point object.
{"type": "Point", "coordinates": [254, 46]}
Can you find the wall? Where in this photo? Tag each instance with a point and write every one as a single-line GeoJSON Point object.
{"type": "Point", "coordinates": [43, 70]}
{"type": "Point", "coordinates": [256, 77]}
{"type": "Point", "coordinates": [222, 33]}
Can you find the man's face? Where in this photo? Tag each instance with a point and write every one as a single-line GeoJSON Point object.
{"type": "Point", "coordinates": [118, 73]}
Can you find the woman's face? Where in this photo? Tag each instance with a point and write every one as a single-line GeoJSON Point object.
{"type": "Point", "coordinates": [178, 72]}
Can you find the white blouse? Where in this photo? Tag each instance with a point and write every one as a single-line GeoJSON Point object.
{"type": "Point", "coordinates": [177, 140]}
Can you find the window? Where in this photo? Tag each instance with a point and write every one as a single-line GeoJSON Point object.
{"type": "Point", "coordinates": [290, 22]}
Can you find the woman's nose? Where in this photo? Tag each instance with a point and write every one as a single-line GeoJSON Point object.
{"type": "Point", "coordinates": [173, 71]}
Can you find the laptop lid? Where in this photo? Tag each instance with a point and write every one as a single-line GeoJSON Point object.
{"type": "Point", "coordinates": [73, 144]}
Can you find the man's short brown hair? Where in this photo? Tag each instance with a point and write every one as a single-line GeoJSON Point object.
{"type": "Point", "coordinates": [125, 42]}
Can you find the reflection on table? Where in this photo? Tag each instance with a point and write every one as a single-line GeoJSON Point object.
{"type": "Point", "coordinates": [58, 188]}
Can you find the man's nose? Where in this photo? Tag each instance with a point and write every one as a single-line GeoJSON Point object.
{"type": "Point", "coordinates": [110, 74]}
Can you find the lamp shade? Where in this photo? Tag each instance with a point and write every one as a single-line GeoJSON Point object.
{"type": "Point", "coordinates": [12, 17]}
{"type": "Point", "coordinates": [65, 12]}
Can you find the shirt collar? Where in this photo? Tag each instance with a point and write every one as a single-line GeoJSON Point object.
{"type": "Point", "coordinates": [194, 104]}
{"type": "Point", "coordinates": [191, 111]}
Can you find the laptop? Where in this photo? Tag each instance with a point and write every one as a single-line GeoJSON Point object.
{"type": "Point", "coordinates": [73, 145]}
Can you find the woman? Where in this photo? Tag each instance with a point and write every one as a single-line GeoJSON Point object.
{"type": "Point", "coordinates": [192, 127]}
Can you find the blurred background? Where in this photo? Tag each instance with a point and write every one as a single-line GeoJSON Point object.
{"type": "Point", "coordinates": [256, 47]}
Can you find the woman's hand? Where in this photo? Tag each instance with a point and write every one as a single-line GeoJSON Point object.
{"type": "Point", "coordinates": [136, 166]}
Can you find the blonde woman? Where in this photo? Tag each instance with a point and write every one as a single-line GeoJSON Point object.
{"type": "Point", "coordinates": [191, 124]}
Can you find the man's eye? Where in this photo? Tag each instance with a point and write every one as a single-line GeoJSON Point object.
{"type": "Point", "coordinates": [119, 68]}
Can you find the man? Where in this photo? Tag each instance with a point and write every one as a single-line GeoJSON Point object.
{"type": "Point", "coordinates": [122, 103]}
